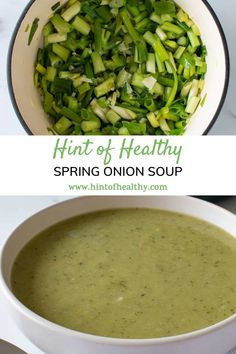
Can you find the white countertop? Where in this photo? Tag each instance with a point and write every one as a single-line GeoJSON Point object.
{"type": "Point", "coordinates": [9, 14]}
{"type": "Point", "coordinates": [13, 211]}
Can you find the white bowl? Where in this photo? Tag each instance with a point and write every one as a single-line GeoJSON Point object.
{"type": "Point", "coordinates": [54, 339]}
{"type": "Point", "coordinates": [21, 59]}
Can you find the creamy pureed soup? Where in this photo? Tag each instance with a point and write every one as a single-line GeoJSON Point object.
{"type": "Point", "coordinates": [129, 273]}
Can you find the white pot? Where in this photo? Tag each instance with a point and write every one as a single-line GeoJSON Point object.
{"type": "Point", "coordinates": [54, 339]}
{"type": "Point", "coordinates": [25, 97]}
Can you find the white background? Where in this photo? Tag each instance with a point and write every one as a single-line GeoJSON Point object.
{"type": "Point", "coordinates": [10, 11]}
{"type": "Point", "coordinates": [28, 167]}
{"type": "Point", "coordinates": [14, 210]}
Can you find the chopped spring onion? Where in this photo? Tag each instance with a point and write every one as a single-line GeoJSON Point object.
{"type": "Point", "coordinates": [33, 30]}
{"type": "Point", "coordinates": [192, 104]}
{"type": "Point", "coordinates": [71, 12]}
{"type": "Point", "coordinates": [120, 67]}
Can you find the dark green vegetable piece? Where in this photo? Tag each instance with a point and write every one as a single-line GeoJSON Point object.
{"type": "Point", "coordinates": [33, 30]}
{"type": "Point", "coordinates": [183, 26]}
{"type": "Point", "coordinates": [165, 81]}
{"type": "Point", "coordinates": [120, 67]}
{"type": "Point", "coordinates": [89, 10]}
{"type": "Point", "coordinates": [104, 13]}
{"type": "Point", "coordinates": [70, 114]}
{"type": "Point", "coordinates": [164, 7]}
{"type": "Point", "coordinates": [47, 103]}
{"type": "Point", "coordinates": [135, 128]}
{"type": "Point", "coordinates": [55, 6]}
{"type": "Point", "coordinates": [62, 86]}
{"type": "Point", "coordinates": [62, 126]}
{"type": "Point", "coordinates": [60, 24]}
{"type": "Point", "coordinates": [187, 60]}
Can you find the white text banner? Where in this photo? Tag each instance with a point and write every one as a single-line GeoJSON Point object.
{"type": "Point", "coordinates": [92, 165]}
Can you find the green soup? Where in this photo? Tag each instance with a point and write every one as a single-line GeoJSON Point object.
{"type": "Point", "coordinates": [129, 273]}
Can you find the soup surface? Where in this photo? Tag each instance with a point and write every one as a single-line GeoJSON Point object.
{"type": "Point", "coordinates": [129, 273]}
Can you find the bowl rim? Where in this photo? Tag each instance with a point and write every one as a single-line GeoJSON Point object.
{"type": "Point", "coordinates": [12, 44]}
{"type": "Point", "coordinates": [42, 322]}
